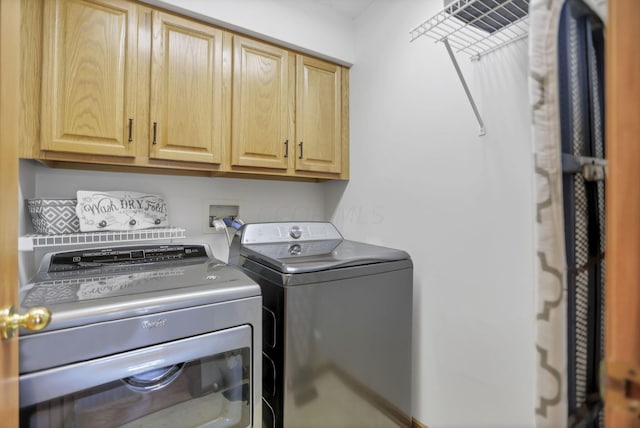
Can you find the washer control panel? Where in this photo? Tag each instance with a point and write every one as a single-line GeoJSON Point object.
{"type": "Point", "coordinates": [265, 233]}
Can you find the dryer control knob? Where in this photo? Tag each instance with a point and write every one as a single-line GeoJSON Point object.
{"type": "Point", "coordinates": [295, 232]}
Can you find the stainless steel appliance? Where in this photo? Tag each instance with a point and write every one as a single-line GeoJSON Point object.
{"type": "Point", "coordinates": [142, 336]}
{"type": "Point", "coordinates": [336, 323]}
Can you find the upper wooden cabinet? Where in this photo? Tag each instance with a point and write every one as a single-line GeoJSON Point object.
{"type": "Point", "coordinates": [186, 121]}
{"type": "Point", "coordinates": [132, 86]}
{"type": "Point", "coordinates": [89, 76]}
{"type": "Point", "coordinates": [265, 81]}
{"type": "Point", "coordinates": [318, 115]}
{"type": "Point", "coordinates": [261, 125]}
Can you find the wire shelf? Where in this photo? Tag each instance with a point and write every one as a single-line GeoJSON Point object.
{"type": "Point", "coordinates": [29, 242]}
{"type": "Point", "coordinates": [477, 27]}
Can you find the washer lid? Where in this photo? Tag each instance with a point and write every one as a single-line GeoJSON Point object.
{"type": "Point", "coordinates": [317, 247]}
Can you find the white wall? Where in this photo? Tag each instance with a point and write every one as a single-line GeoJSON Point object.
{"type": "Point", "coordinates": [424, 181]}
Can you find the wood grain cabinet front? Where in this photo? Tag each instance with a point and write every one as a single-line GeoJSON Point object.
{"type": "Point", "coordinates": [186, 121]}
{"type": "Point", "coordinates": [287, 111]}
{"type": "Point", "coordinates": [318, 115]}
{"type": "Point", "coordinates": [261, 126]}
{"type": "Point", "coordinates": [89, 76]}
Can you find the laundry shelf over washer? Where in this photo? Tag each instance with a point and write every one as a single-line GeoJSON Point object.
{"type": "Point", "coordinates": [29, 242]}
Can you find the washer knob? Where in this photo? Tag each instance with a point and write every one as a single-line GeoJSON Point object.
{"type": "Point", "coordinates": [295, 232]}
{"type": "Point", "coordinates": [295, 250]}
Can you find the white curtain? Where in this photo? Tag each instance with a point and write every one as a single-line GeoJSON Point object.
{"type": "Point", "coordinates": [551, 299]}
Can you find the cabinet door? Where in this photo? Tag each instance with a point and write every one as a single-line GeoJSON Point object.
{"type": "Point", "coordinates": [261, 122]}
{"type": "Point", "coordinates": [89, 76]}
{"type": "Point", "coordinates": [186, 90]}
{"type": "Point", "coordinates": [318, 115]}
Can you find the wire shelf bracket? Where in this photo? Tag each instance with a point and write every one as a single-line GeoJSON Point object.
{"type": "Point", "coordinates": [29, 242]}
{"type": "Point", "coordinates": [476, 28]}
{"type": "Point", "coordinates": [482, 130]}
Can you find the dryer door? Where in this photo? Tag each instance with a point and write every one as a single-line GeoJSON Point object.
{"type": "Point", "coordinates": [202, 381]}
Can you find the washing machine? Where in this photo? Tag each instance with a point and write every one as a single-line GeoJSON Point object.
{"type": "Point", "coordinates": [337, 329]}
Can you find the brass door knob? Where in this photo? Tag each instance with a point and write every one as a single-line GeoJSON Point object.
{"type": "Point", "coordinates": [35, 319]}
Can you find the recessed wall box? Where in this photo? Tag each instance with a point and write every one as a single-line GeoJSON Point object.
{"type": "Point", "coordinates": [218, 210]}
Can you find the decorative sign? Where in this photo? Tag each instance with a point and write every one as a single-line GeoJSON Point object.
{"type": "Point", "coordinates": [120, 210]}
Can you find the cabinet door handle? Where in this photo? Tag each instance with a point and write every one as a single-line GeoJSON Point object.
{"type": "Point", "coordinates": [130, 130]}
{"type": "Point", "coordinates": [155, 126]}
{"type": "Point", "coordinates": [301, 142]}
{"type": "Point", "coordinates": [286, 148]}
